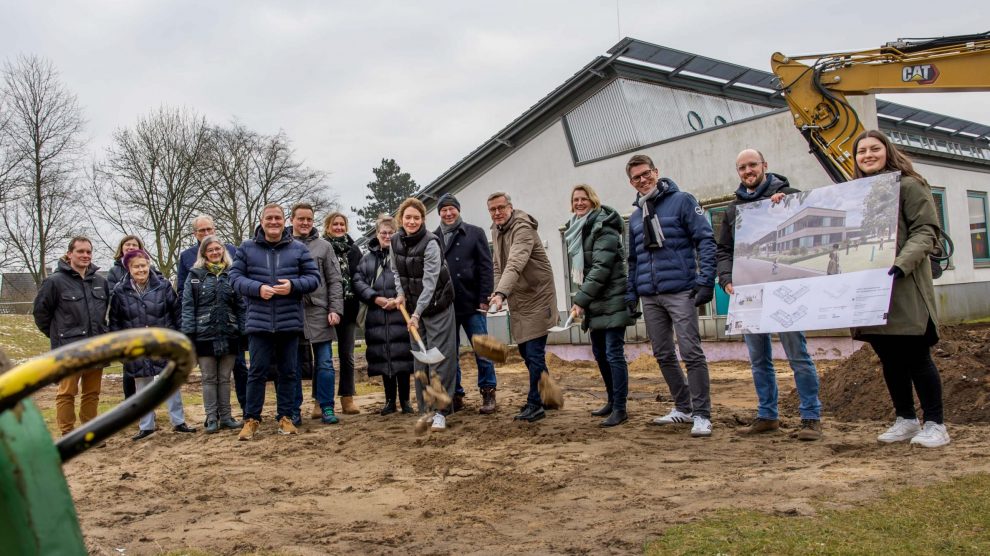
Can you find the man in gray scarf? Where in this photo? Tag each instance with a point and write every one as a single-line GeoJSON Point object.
{"type": "Point", "coordinates": [672, 272]}
{"type": "Point", "coordinates": [470, 262]}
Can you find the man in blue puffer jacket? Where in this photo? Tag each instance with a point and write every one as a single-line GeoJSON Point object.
{"type": "Point", "coordinates": [669, 239]}
{"type": "Point", "coordinates": [273, 272]}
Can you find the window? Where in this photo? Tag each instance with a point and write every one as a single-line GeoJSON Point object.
{"type": "Point", "coordinates": [716, 215]}
{"type": "Point", "coordinates": [938, 194]}
{"type": "Point", "coordinates": [977, 202]}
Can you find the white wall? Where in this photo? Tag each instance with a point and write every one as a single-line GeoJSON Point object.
{"type": "Point", "coordinates": [956, 183]}
{"type": "Point", "coordinates": [540, 174]}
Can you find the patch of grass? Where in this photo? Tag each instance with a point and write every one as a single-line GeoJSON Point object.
{"type": "Point", "coordinates": [363, 388]}
{"type": "Point", "coordinates": [107, 402]}
{"type": "Point", "coordinates": [20, 338]}
{"type": "Point", "coordinates": [946, 518]}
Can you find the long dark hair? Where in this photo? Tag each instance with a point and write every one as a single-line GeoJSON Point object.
{"type": "Point", "coordinates": [119, 254]}
{"type": "Point", "coordinates": [896, 160]}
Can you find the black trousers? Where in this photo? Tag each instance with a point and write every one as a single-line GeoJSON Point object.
{"type": "Point", "coordinates": [398, 383]}
{"type": "Point", "coordinates": [908, 368]}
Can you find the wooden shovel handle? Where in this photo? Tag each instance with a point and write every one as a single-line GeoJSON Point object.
{"type": "Point", "coordinates": [405, 315]}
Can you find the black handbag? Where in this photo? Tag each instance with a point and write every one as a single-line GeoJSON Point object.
{"type": "Point", "coordinates": [943, 251]}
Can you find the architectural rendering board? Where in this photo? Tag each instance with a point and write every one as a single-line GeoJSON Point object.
{"type": "Point", "coordinates": [826, 251]}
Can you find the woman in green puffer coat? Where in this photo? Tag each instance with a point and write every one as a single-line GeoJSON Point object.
{"type": "Point", "coordinates": [213, 318]}
{"type": "Point", "coordinates": [593, 238]}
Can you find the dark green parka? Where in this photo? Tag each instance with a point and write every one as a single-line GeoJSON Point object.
{"type": "Point", "coordinates": [912, 301]}
{"type": "Point", "coordinates": [602, 294]}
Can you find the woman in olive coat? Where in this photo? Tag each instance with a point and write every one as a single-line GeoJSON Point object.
{"type": "Point", "coordinates": [593, 238]}
{"type": "Point", "coordinates": [904, 343]}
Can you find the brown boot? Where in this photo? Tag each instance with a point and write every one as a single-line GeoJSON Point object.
{"type": "Point", "coordinates": [760, 425]}
{"type": "Point", "coordinates": [487, 401]}
{"type": "Point", "coordinates": [317, 412]}
{"type": "Point", "coordinates": [347, 406]}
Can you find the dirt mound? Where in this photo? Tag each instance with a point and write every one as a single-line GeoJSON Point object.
{"type": "Point", "coordinates": [855, 389]}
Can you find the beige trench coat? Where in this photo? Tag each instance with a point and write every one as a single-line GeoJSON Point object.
{"type": "Point", "coordinates": [523, 274]}
{"type": "Point", "coordinates": [912, 301]}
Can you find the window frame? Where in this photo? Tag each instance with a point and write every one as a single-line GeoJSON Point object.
{"type": "Point", "coordinates": [982, 196]}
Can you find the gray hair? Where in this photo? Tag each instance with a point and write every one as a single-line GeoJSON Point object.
{"type": "Point", "coordinates": [196, 220]}
{"type": "Point", "coordinates": [498, 194]}
{"type": "Point", "coordinates": [201, 252]}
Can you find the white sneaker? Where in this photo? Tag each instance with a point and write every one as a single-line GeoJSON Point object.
{"type": "Point", "coordinates": [933, 435]}
{"type": "Point", "coordinates": [702, 427]}
{"type": "Point", "coordinates": [902, 430]}
{"type": "Point", "coordinates": [439, 421]}
{"type": "Point", "coordinates": [673, 417]}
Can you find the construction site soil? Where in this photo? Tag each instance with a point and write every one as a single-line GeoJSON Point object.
{"type": "Point", "coordinates": [487, 484]}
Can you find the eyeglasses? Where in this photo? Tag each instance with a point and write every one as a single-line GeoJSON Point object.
{"type": "Point", "coordinates": [642, 176]}
{"type": "Point", "coordinates": [499, 208]}
{"type": "Point", "coordinates": [204, 230]}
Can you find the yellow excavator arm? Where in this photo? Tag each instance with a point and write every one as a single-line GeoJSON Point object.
{"type": "Point", "coordinates": [815, 86]}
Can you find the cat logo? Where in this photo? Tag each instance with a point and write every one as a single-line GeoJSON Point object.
{"type": "Point", "coordinates": [925, 74]}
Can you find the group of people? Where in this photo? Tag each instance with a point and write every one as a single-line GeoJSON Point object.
{"type": "Point", "coordinates": [288, 284]}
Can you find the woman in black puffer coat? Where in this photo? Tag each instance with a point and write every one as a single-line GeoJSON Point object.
{"type": "Point", "coordinates": [143, 300]}
{"type": "Point", "coordinates": [349, 257]}
{"type": "Point", "coordinates": [213, 318]}
{"type": "Point", "coordinates": [389, 353]}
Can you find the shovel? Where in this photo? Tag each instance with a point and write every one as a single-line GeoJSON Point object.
{"type": "Point", "coordinates": [430, 356]}
{"type": "Point", "coordinates": [567, 324]}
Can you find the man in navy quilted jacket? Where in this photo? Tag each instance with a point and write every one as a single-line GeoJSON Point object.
{"type": "Point", "coordinates": [672, 271]}
{"type": "Point", "coordinates": [273, 271]}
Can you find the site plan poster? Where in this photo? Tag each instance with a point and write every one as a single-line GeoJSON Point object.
{"type": "Point", "coordinates": [816, 260]}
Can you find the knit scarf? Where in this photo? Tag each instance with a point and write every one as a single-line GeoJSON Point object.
{"type": "Point", "coordinates": [448, 231]}
{"type": "Point", "coordinates": [575, 251]}
{"type": "Point", "coordinates": [215, 268]}
{"type": "Point", "coordinates": [139, 288]}
{"type": "Point", "coordinates": [341, 247]}
{"type": "Point", "coordinates": [651, 224]}
{"type": "Point", "coordinates": [744, 194]}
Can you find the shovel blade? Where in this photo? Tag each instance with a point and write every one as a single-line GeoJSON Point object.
{"type": "Point", "coordinates": [431, 356]}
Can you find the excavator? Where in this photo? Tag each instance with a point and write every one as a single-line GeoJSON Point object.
{"type": "Point", "coordinates": [815, 86]}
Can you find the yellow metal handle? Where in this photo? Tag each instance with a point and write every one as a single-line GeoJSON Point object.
{"type": "Point", "coordinates": [31, 376]}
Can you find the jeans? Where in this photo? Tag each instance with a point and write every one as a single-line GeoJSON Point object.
{"type": "Point", "coordinates": [323, 374]}
{"type": "Point", "coordinates": [534, 354]}
{"type": "Point", "coordinates": [345, 352]}
{"type": "Point", "coordinates": [279, 349]}
{"type": "Point", "coordinates": [608, 345]}
{"type": "Point", "coordinates": [667, 314]}
{"type": "Point", "coordinates": [474, 324]}
{"type": "Point", "coordinates": [174, 403]}
{"type": "Point", "coordinates": [765, 379]}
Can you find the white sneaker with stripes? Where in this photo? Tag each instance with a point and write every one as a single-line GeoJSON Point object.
{"type": "Point", "coordinates": [672, 418]}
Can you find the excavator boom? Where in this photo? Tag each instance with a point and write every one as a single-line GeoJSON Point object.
{"type": "Point", "coordinates": [815, 86]}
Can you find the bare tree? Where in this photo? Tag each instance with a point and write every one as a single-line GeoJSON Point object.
{"type": "Point", "coordinates": [247, 170]}
{"type": "Point", "coordinates": [152, 182]}
{"type": "Point", "coordinates": [40, 145]}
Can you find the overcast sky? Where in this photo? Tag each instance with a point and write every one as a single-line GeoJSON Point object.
{"type": "Point", "coordinates": [422, 82]}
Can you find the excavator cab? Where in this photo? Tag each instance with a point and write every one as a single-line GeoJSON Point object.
{"type": "Point", "coordinates": [37, 515]}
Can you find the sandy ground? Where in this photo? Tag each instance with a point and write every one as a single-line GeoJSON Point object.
{"type": "Point", "coordinates": [487, 484]}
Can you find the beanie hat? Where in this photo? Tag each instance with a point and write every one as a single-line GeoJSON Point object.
{"type": "Point", "coordinates": [448, 200]}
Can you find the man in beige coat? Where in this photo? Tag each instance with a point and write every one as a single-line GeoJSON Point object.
{"type": "Point", "coordinates": [524, 276]}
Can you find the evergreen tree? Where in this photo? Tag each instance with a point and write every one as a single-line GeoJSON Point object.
{"type": "Point", "coordinates": [390, 188]}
